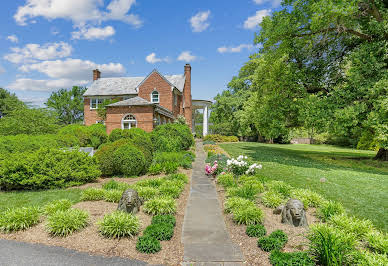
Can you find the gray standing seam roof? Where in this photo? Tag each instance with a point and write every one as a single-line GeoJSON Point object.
{"type": "Point", "coordinates": [126, 85]}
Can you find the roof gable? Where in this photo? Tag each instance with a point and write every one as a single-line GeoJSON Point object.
{"type": "Point", "coordinates": [149, 75]}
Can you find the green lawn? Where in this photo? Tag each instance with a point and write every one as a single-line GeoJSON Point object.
{"type": "Point", "coordinates": [36, 198]}
{"type": "Point", "coordinates": [353, 178]}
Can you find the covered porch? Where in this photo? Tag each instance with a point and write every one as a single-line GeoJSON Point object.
{"type": "Point", "coordinates": [205, 106]}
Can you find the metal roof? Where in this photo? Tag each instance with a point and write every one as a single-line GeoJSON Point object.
{"type": "Point", "coordinates": [132, 101]}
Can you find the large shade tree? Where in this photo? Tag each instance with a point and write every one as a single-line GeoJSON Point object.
{"type": "Point", "coordinates": [9, 102]}
{"type": "Point", "coordinates": [323, 65]}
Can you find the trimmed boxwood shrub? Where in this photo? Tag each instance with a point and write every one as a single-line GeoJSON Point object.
{"type": "Point", "coordinates": [172, 137]}
{"type": "Point", "coordinates": [148, 244]}
{"type": "Point", "coordinates": [167, 218]}
{"type": "Point", "coordinates": [93, 135]}
{"type": "Point", "coordinates": [64, 223]}
{"type": "Point", "coordinates": [47, 168]}
{"type": "Point", "coordinates": [256, 230]}
{"type": "Point", "coordinates": [160, 231]}
{"type": "Point", "coordinates": [19, 219]}
{"type": "Point", "coordinates": [220, 138]}
{"type": "Point", "coordinates": [278, 258]}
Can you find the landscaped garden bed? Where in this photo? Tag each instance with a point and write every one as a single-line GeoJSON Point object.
{"type": "Point", "coordinates": [250, 201]}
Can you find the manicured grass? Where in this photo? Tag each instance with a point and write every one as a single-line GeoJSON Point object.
{"type": "Point", "coordinates": [353, 178]}
{"type": "Point", "coordinates": [36, 198]}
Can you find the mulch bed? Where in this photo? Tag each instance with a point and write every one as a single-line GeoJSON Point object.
{"type": "Point", "coordinates": [252, 253]}
{"type": "Point", "coordinates": [89, 240]}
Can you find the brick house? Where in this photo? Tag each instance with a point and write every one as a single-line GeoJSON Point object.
{"type": "Point", "coordinates": [143, 102]}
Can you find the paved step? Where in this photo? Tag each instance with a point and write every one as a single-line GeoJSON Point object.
{"type": "Point", "coordinates": [205, 238]}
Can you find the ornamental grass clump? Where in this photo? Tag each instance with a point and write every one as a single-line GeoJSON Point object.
{"type": "Point", "coordinates": [181, 177]}
{"type": "Point", "coordinates": [275, 241]}
{"type": "Point", "coordinates": [119, 224]}
{"type": "Point", "coordinates": [171, 189]}
{"type": "Point", "coordinates": [153, 182]}
{"type": "Point", "coordinates": [148, 244]}
{"type": "Point", "coordinates": [226, 180]}
{"type": "Point", "coordinates": [272, 199]}
{"type": "Point", "coordinates": [155, 169]}
{"type": "Point", "coordinates": [233, 203]}
{"type": "Point", "coordinates": [147, 193]}
{"type": "Point", "coordinates": [279, 187]}
{"type": "Point", "coordinates": [167, 218]}
{"type": "Point", "coordinates": [249, 215]}
{"type": "Point", "coordinates": [330, 245]}
{"type": "Point", "coordinates": [368, 258]}
{"type": "Point", "coordinates": [256, 230]}
{"type": "Point", "coordinates": [19, 219]}
{"type": "Point", "coordinates": [278, 258]}
{"type": "Point", "coordinates": [57, 205]}
{"type": "Point", "coordinates": [160, 231]}
{"type": "Point", "coordinates": [308, 197]}
{"type": "Point", "coordinates": [113, 195]}
{"type": "Point", "coordinates": [377, 242]}
{"type": "Point", "coordinates": [359, 228]}
{"type": "Point", "coordinates": [162, 205]}
{"type": "Point", "coordinates": [64, 223]}
{"type": "Point", "coordinates": [92, 194]}
{"type": "Point", "coordinates": [247, 191]}
{"type": "Point", "coordinates": [112, 184]}
{"type": "Point", "coordinates": [328, 209]}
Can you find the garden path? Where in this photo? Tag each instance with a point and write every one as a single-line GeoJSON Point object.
{"type": "Point", "coordinates": [204, 237]}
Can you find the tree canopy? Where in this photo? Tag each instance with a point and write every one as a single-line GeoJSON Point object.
{"type": "Point", "coordinates": [9, 102]}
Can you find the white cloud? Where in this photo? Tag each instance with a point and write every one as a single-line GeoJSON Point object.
{"type": "Point", "coordinates": [32, 52]}
{"type": "Point", "coordinates": [274, 3]}
{"type": "Point", "coordinates": [199, 22]}
{"type": "Point", "coordinates": [254, 21]}
{"type": "Point", "coordinates": [237, 49]}
{"type": "Point", "coordinates": [74, 69]}
{"type": "Point", "coordinates": [186, 56]}
{"type": "Point", "coordinates": [2, 70]}
{"type": "Point", "coordinates": [13, 38]}
{"type": "Point", "coordinates": [78, 11]}
{"type": "Point", "coordinates": [93, 33]}
{"type": "Point", "coordinates": [26, 84]}
{"type": "Point", "coordinates": [152, 59]}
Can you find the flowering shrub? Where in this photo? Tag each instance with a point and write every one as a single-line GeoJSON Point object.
{"type": "Point", "coordinates": [211, 170]}
{"type": "Point", "coordinates": [240, 166]}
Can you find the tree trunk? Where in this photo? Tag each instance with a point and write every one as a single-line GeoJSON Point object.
{"type": "Point", "coordinates": [381, 155]}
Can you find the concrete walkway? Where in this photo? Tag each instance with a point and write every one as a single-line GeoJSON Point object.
{"type": "Point", "coordinates": [205, 238]}
{"type": "Point", "coordinates": [14, 253]}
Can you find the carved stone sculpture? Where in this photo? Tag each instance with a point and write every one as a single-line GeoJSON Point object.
{"type": "Point", "coordinates": [293, 213]}
{"type": "Point", "coordinates": [129, 202]}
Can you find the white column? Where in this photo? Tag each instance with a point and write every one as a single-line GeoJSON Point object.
{"type": "Point", "coordinates": [205, 116]}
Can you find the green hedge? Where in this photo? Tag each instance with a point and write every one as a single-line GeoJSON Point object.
{"type": "Point", "coordinates": [172, 137]}
{"type": "Point", "coordinates": [91, 136]}
{"type": "Point", "coordinates": [47, 168]}
{"type": "Point", "coordinates": [220, 138]}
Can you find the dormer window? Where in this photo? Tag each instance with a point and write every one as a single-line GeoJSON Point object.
{"type": "Point", "coordinates": [155, 97]}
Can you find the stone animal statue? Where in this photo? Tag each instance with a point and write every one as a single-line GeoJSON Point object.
{"type": "Point", "coordinates": [293, 213]}
{"type": "Point", "coordinates": [130, 202]}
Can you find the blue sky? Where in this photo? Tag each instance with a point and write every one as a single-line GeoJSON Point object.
{"type": "Point", "coordinates": [50, 44]}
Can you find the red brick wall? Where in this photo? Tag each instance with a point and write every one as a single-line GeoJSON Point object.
{"type": "Point", "coordinates": [162, 86]}
{"type": "Point", "coordinates": [144, 116]}
{"type": "Point", "coordinates": [90, 116]}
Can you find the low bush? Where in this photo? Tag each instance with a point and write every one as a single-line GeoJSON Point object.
{"type": "Point", "coordinates": [88, 136]}
{"type": "Point", "coordinates": [234, 203]}
{"type": "Point", "coordinates": [220, 138]}
{"type": "Point", "coordinates": [152, 182]}
{"type": "Point", "coordinates": [129, 160]}
{"type": "Point", "coordinates": [268, 243]}
{"type": "Point", "coordinates": [272, 199]}
{"type": "Point", "coordinates": [113, 195]}
{"type": "Point", "coordinates": [182, 158]}
{"type": "Point", "coordinates": [119, 224]}
{"type": "Point", "coordinates": [57, 205]}
{"type": "Point", "coordinates": [221, 162]}
{"type": "Point", "coordinates": [92, 194]}
{"type": "Point", "coordinates": [168, 218]}
{"type": "Point", "coordinates": [328, 209]}
{"type": "Point", "coordinates": [155, 169]}
{"type": "Point", "coordinates": [377, 242]}
{"type": "Point", "coordinates": [171, 189]}
{"type": "Point", "coordinates": [209, 142]}
{"type": "Point", "coordinates": [372, 259]}
{"type": "Point", "coordinates": [162, 205]}
{"type": "Point", "coordinates": [172, 137]}
{"type": "Point", "coordinates": [160, 231]}
{"type": "Point", "coordinates": [179, 177]}
{"type": "Point", "coordinates": [226, 180]}
{"type": "Point", "coordinates": [47, 168]}
{"type": "Point", "coordinates": [147, 193]}
{"type": "Point", "coordinates": [249, 215]}
{"type": "Point", "coordinates": [148, 244]}
{"type": "Point", "coordinates": [19, 219]}
{"type": "Point", "coordinates": [308, 197]}
{"type": "Point", "coordinates": [112, 184]}
{"type": "Point", "coordinates": [330, 245]}
{"type": "Point", "coordinates": [279, 187]}
{"type": "Point", "coordinates": [256, 230]}
{"type": "Point", "coordinates": [64, 223]}
{"type": "Point", "coordinates": [279, 234]}
{"type": "Point", "coordinates": [351, 225]}
{"type": "Point", "coordinates": [278, 258]}
{"type": "Point", "coordinates": [170, 167]}
{"type": "Point", "coordinates": [247, 191]}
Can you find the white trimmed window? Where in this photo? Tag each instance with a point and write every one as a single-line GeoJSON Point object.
{"type": "Point", "coordinates": [155, 97]}
{"type": "Point", "coordinates": [128, 122]}
{"type": "Point", "coordinates": [94, 102]}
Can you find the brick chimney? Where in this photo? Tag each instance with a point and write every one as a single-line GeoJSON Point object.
{"type": "Point", "coordinates": [96, 74]}
{"type": "Point", "coordinates": [187, 96]}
